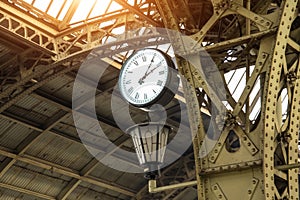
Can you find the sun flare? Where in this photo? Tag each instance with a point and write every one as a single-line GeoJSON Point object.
{"type": "Point", "coordinates": [77, 10]}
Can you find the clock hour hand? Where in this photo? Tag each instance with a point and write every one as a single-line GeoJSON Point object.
{"type": "Point", "coordinates": [152, 70]}
{"type": "Point", "coordinates": [141, 81]}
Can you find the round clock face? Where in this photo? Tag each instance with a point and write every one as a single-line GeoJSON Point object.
{"type": "Point", "coordinates": [144, 76]}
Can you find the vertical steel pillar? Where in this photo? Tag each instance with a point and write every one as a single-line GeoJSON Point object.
{"type": "Point", "coordinates": [252, 169]}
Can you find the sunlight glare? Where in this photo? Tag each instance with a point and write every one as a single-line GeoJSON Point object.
{"type": "Point", "coordinates": [93, 8]}
{"type": "Point", "coordinates": [131, 2]}
{"type": "Point", "coordinates": [86, 8]}
{"type": "Point", "coordinates": [100, 8]}
{"type": "Point", "coordinates": [114, 6]}
{"type": "Point", "coordinates": [41, 4]}
{"type": "Point", "coordinates": [65, 9]}
{"type": "Point", "coordinates": [83, 10]}
{"type": "Point", "coordinates": [55, 7]}
{"type": "Point", "coordinates": [28, 1]}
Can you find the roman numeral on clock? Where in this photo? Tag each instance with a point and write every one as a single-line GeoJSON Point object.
{"type": "Point", "coordinates": [130, 90]}
{"type": "Point", "coordinates": [159, 82]}
{"type": "Point", "coordinates": [137, 95]}
{"type": "Point", "coordinates": [161, 72]}
{"type": "Point", "coordinates": [144, 58]}
{"type": "Point", "coordinates": [145, 96]}
{"type": "Point", "coordinates": [159, 64]}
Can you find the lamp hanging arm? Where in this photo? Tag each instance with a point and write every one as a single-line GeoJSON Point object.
{"type": "Point", "coordinates": [154, 189]}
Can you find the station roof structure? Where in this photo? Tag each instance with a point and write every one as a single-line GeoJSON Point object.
{"type": "Point", "coordinates": [41, 154]}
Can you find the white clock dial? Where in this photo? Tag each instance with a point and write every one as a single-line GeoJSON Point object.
{"type": "Point", "coordinates": [144, 77]}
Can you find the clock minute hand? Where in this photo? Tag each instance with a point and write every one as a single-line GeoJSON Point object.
{"type": "Point", "coordinates": [141, 81]}
{"type": "Point", "coordinates": [158, 65]}
{"type": "Point", "coordinates": [151, 71]}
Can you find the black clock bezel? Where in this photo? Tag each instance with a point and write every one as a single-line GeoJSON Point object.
{"type": "Point", "coordinates": [167, 93]}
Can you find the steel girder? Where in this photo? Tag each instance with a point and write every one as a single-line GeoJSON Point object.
{"type": "Point", "coordinates": [78, 37]}
{"type": "Point", "coordinates": [281, 130]}
{"type": "Point", "coordinates": [45, 73]}
{"type": "Point", "coordinates": [267, 142]}
{"type": "Point", "coordinates": [50, 45]}
{"type": "Point", "coordinates": [53, 50]}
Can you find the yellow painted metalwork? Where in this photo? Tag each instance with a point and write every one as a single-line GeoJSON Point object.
{"type": "Point", "coordinates": [251, 168]}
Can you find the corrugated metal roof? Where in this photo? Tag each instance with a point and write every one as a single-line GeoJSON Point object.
{"type": "Point", "coordinates": [67, 127]}
{"type": "Point", "coordinates": [28, 115]}
{"type": "Point", "coordinates": [28, 102]}
{"type": "Point", "coordinates": [83, 193]}
{"type": "Point", "coordinates": [132, 181]}
{"type": "Point", "coordinates": [65, 92]}
{"type": "Point", "coordinates": [55, 84]}
{"type": "Point", "coordinates": [29, 180]}
{"type": "Point", "coordinates": [42, 171]}
{"type": "Point", "coordinates": [103, 104]}
{"type": "Point", "coordinates": [12, 134]}
{"type": "Point", "coordinates": [5, 125]}
{"type": "Point", "coordinates": [60, 151]}
{"type": "Point", "coordinates": [106, 173]}
{"type": "Point", "coordinates": [46, 109]}
{"type": "Point", "coordinates": [7, 194]}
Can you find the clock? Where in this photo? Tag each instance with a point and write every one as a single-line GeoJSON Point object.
{"type": "Point", "coordinates": [148, 77]}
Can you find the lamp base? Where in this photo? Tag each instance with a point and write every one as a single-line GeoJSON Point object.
{"type": "Point", "coordinates": [152, 171]}
{"type": "Point", "coordinates": [152, 175]}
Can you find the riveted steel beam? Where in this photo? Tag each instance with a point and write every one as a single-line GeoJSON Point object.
{"type": "Point", "coordinates": [171, 22]}
{"type": "Point", "coordinates": [276, 134]}
{"type": "Point", "coordinates": [250, 143]}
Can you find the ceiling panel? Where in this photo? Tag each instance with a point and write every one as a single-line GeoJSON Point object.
{"type": "Point", "coordinates": [33, 181]}
{"type": "Point", "coordinates": [60, 151]}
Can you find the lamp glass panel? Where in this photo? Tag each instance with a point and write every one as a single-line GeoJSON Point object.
{"type": "Point", "coordinates": [150, 142]}
{"type": "Point", "coordinates": [138, 146]}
